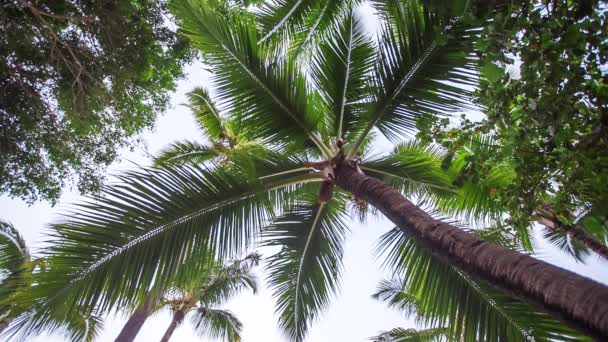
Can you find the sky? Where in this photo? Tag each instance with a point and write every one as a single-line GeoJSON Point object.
{"type": "Point", "coordinates": [352, 315]}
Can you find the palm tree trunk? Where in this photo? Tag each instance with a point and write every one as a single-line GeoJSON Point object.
{"type": "Point", "coordinates": [3, 325]}
{"type": "Point", "coordinates": [578, 301]}
{"type": "Point", "coordinates": [136, 321]}
{"type": "Point", "coordinates": [178, 317]}
{"type": "Point", "coordinates": [576, 232]}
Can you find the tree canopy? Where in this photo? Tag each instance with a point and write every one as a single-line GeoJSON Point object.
{"type": "Point", "coordinates": [78, 80]}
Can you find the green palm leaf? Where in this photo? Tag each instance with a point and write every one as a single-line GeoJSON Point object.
{"type": "Point", "coordinates": [229, 281]}
{"type": "Point", "coordinates": [420, 70]}
{"type": "Point", "coordinates": [13, 250]}
{"type": "Point", "coordinates": [443, 296]}
{"type": "Point", "coordinates": [169, 222]}
{"type": "Point", "coordinates": [272, 97]}
{"type": "Point", "coordinates": [414, 168]}
{"type": "Point", "coordinates": [186, 152]}
{"type": "Point", "coordinates": [206, 113]}
{"type": "Point", "coordinates": [412, 335]}
{"type": "Point", "coordinates": [304, 273]}
{"type": "Point", "coordinates": [217, 324]}
{"type": "Point", "coordinates": [300, 22]}
{"type": "Point", "coordinates": [340, 70]}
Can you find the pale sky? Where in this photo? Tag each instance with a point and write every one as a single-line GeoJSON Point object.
{"type": "Point", "coordinates": [352, 315]}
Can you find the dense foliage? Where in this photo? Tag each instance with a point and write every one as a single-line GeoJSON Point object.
{"type": "Point", "coordinates": [78, 80]}
{"type": "Point", "coordinates": [545, 99]}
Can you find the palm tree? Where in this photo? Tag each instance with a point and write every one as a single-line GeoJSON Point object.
{"type": "Point", "coordinates": [459, 307]}
{"type": "Point", "coordinates": [16, 274]}
{"type": "Point", "coordinates": [318, 125]}
{"type": "Point", "coordinates": [227, 136]}
{"type": "Point", "coordinates": [217, 284]}
{"type": "Point", "coordinates": [14, 264]}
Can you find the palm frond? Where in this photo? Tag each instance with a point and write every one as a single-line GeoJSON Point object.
{"type": "Point", "coordinates": [412, 335]}
{"type": "Point", "coordinates": [186, 152]}
{"type": "Point", "coordinates": [425, 66]}
{"type": "Point", "coordinates": [217, 324]}
{"type": "Point", "coordinates": [562, 241]}
{"type": "Point", "coordinates": [156, 227]}
{"type": "Point", "coordinates": [206, 113]}
{"type": "Point", "coordinates": [271, 96]}
{"type": "Point", "coordinates": [414, 168]}
{"type": "Point", "coordinates": [318, 22]}
{"type": "Point", "coordinates": [340, 69]}
{"type": "Point", "coordinates": [304, 273]}
{"type": "Point", "coordinates": [229, 281]}
{"type": "Point", "coordinates": [13, 249]}
{"type": "Point", "coordinates": [278, 16]}
{"type": "Point", "coordinates": [470, 309]}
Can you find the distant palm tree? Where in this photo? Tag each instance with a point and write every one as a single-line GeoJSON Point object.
{"type": "Point", "coordinates": [317, 122]}
{"type": "Point", "coordinates": [411, 335]}
{"type": "Point", "coordinates": [17, 269]}
{"type": "Point", "coordinates": [216, 285]}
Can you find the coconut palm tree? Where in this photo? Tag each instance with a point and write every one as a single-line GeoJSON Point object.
{"type": "Point", "coordinates": [216, 285]}
{"type": "Point", "coordinates": [319, 124]}
{"type": "Point", "coordinates": [16, 274]}
{"type": "Point", "coordinates": [448, 302]}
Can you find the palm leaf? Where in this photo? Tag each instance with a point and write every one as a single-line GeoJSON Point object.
{"type": "Point", "coordinates": [186, 152]}
{"type": "Point", "coordinates": [229, 281]}
{"type": "Point", "coordinates": [412, 335]}
{"type": "Point", "coordinates": [414, 168]}
{"type": "Point", "coordinates": [206, 113]}
{"type": "Point", "coordinates": [340, 69]}
{"type": "Point", "coordinates": [304, 273]}
{"type": "Point", "coordinates": [470, 309]}
{"type": "Point", "coordinates": [13, 250]}
{"type": "Point", "coordinates": [158, 226]}
{"type": "Point", "coordinates": [217, 324]}
{"type": "Point", "coordinates": [272, 97]}
{"type": "Point", "coordinates": [420, 70]}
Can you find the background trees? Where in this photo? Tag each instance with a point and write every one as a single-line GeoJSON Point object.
{"type": "Point", "coordinates": [78, 81]}
{"type": "Point", "coordinates": [545, 98]}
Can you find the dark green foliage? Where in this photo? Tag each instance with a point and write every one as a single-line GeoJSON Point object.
{"type": "Point", "coordinates": [78, 80]}
{"type": "Point", "coordinates": [546, 118]}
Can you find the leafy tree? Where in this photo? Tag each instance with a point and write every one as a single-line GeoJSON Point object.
{"type": "Point", "coordinates": [79, 79]}
{"type": "Point", "coordinates": [157, 226]}
{"type": "Point", "coordinates": [545, 95]}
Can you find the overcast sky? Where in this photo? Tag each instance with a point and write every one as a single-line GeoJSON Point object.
{"type": "Point", "coordinates": [352, 316]}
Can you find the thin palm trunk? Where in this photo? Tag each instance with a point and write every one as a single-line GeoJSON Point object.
{"type": "Point", "coordinates": [578, 301]}
{"type": "Point", "coordinates": [178, 317]}
{"type": "Point", "coordinates": [136, 321]}
{"type": "Point", "coordinates": [4, 324]}
{"type": "Point", "coordinates": [575, 231]}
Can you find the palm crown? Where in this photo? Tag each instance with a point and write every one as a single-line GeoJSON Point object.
{"type": "Point", "coordinates": [158, 226]}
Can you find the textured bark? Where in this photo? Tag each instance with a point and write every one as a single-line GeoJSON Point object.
{"type": "Point", "coordinates": [135, 322]}
{"type": "Point", "coordinates": [578, 301]}
{"type": "Point", "coordinates": [575, 231]}
{"type": "Point", "coordinates": [178, 317]}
